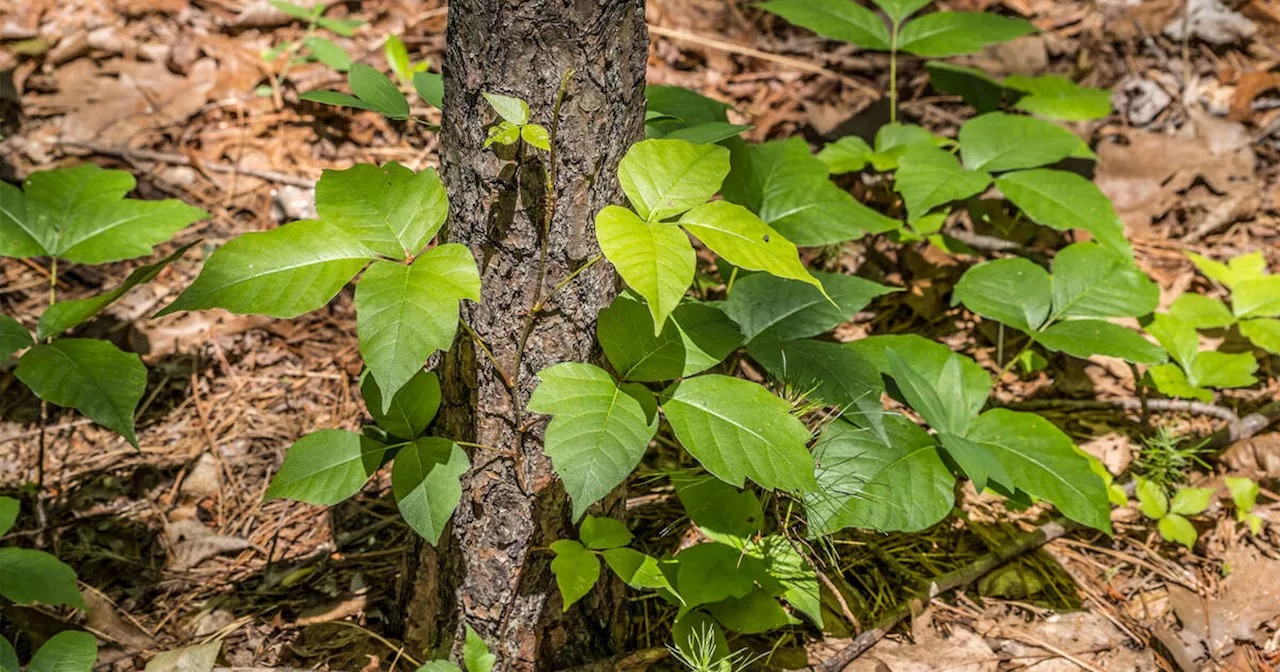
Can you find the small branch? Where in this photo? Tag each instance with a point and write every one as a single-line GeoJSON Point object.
{"type": "Point", "coordinates": [180, 160]}
{"type": "Point", "coordinates": [502, 375]}
{"type": "Point", "coordinates": [480, 446]}
{"type": "Point", "coordinates": [985, 243]}
{"type": "Point", "coordinates": [941, 584]}
{"type": "Point", "coordinates": [1159, 405]}
{"type": "Point", "coordinates": [537, 307]}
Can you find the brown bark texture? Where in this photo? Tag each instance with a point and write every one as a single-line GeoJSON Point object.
{"type": "Point", "coordinates": [492, 571]}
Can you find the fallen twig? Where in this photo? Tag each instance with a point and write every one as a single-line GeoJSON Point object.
{"type": "Point", "coordinates": [1197, 407]}
{"type": "Point", "coordinates": [941, 584]}
{"type": "Point", "coordinates": [180, 160]}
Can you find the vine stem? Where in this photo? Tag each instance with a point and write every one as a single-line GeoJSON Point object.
{"type": "Point", "coordinates": [893, 72]}
{"type": "Point", "coordinates": [481, 446]}
{"type": "Point", "coordinates": [537, 307]}
{"type": "Point", "coordinates": [1135, 404]}
{"type": "Point", "coordinates": [506, 380]}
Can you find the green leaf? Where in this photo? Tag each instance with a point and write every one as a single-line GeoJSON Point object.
{"type": "Point", "coordinates": [1244, 494]}
{"type": "Point", "coordinates": [849, 154]}
{"type": "Point", "coordinates": [708, 573]}
{"type": "Point", "coordinates": [1264, 333]}
{"type": "Point", "coordinates": [697, 337]}
{"type": "Point", "coordinates": [1043, 463]}
{"type": "Point", "coordinates": [892, 483]}
{"type": "Point", "coordinates": [326, 467]}
{"type": "Point", "coordinates": [928, 177]}
{"type": "Point", "coordinates": [343, 27]}
{"type": "Point", "coordinates": [1237, 270]}
{"type": "Point", "coordinates": [754, 613]}
{"type": "Point", "coordinates": [475, 653]}
{"type": "Point", "coordinates": [713, 131]}
{"type": "Point", "coordinates": [822, 370]}
{"type": "Point", "coordinates": [1093, 281]}
{"type": "Point", "coordinates": [663, 178]}
{"type": "Point", "coordinates": [1191, 501]}
{"type": "Point", "coordinates": [1063, 200]}
{"type": "Point", "coordinates": [91, 376]}
{"type": "Point", "coordinates": [329, 53]}
{"type": "Point", "coordinates": [411, 409]}
{"type": "Point", "coordinates": [599, 431]}
{"type": "Point", "coordinates": [64, 315]}
{"type": "Point", "coordinates": [377, 90]}
{"type": "Point", "coordinates": [430, 88]}
{"type": "Point", "coordinates": [929, 358]}
{"type": "Point", "coordinates": [296, 11]}
{"type": "Point", "coordinates": [722, 512]}
{"type": "Point", "coordinates": [536, 136]}
{"type": "Point", "coordinates": [1170, 380]}
{"type": "Point", "coordinates": [405, 313]}
{"type": "Point", "coordinates": [1177, 337]}
{"type": "Point", "coordinates": [1177, 529]}
{"type": "Point", "coordinates": [940, 404]}
{"type": "Point", "coordinates": [13, 337]}
{"type": "Point", "coordinates": [1220, 369]}
{"type": "Point", "coordinates": [900, 9]}
{"type": "Point", "coordinates": [997, 142]}
{"type": "Point", "coordinates": [397, 57]}
{"type": "Point", "coordinates": [791, 191]}
{"type": "Point", "coordinates": [685, 105]}
{"type": "Point", "coordinates": [1152, 500]}
{"type": "Point", "coordinates": [576, 570]}
{"type": "Point", "coordinates": [1202, 312]}
{"type": "Point", "coordinates": [439, 666]}
{"type": "Point", "coordinates": [603, 533]}
{"type": "Point", "coordinates": [1258, 297]}
{"type": "Point", "coordinates": [424, 478]}
{"type": "Point", "coordinates": [1085, 338]}
{"type": "Point", "coordinates": [893, 140]}
{"type": "Point", "coordinates": [637, 569]}
{"type": "Point", "coordinates": [976, 462]}
{"type": "Point", "coordinates": [511, 109]}
{"type": "Point", "coordinates": [732, 232]}
{"type": "Point", "coordinates": [34, 577]}
{"type": "Point", "coordinates": [768, 308]}
{"type": "Point", "coordinates": [67, 651]}
{"type": "Point", "coordinates": [976, 87]}
{"type": "Point", "coordinates": [656, 260]}
{"type": "Point", "coordinates": [9, 508]}
{"type": "Point", "coordinates": [943, 34]}
{"type": "Point", "coordinates": [738, 429]}
{"type": "Point", "coordinates": [22, 235]}
{"type": "Point", "coordinates": [1017, 292]}
{"type": "Point", "coordinates": [503, 133]}
{"type": "Point", "coordinates": [8, 657]}
{"type": "Point", "coordinates": [698, 636]}
{"type": "Point", "coordinates": [782, 562]}
{"type": "Point", "coordinates": [283, 272]}
{"type": "Point", "coordinates": [337, 99]}
{"type": "Point", "coordinates": [1056, 97]}
{"type": "Point", "coordinates": [837, 19]}
{"type": "Point", "coordinates": [389, 208]}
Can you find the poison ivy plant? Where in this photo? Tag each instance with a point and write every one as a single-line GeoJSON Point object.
{"type": "Point", "coordinates": [680, 114]}
{"type": "Point", "coordinates": [475, 657]}
{"type": "Point", "coordinates": [1244, 494]}
{"type": "Point", "coordinates": [311, 46]}
{"type": "Point", "coordinates": [1171, 513]}
{"type": "Point", "coordinates": [28, 576]}
{"type": "Point", "coordinates": [372, 90]}
{"type": "Point", "coordinates": [67, 651]}
{"type": "Point", "coordinates": [515, 125]}
{"type": "Point", "coordinates": [1048, 96]}
{"type": "Point", "coordinates": [1255, 300]}
{"type": "Point", "coordinates": [1193, 371]}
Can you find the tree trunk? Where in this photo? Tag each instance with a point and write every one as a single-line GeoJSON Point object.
{"type": "Point", "coordinates": [493, 569]}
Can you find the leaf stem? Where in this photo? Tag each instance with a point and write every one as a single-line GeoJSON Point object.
{"type": "Point", "coordinates": [481, 446]}
{"type": "Point", "coordinates": [537, 308]}
{"type": "Point", "coordinates": [53, 281]}
{"type": "Point", "coordinates": [893, 72]}
{"type": "Point", "coordinates": [506, 380]}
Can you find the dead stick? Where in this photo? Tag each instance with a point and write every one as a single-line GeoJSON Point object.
{"type": "Point", "coordinates": [1197, 407]}
{"type": "Point", "coordinates": [180, 160]}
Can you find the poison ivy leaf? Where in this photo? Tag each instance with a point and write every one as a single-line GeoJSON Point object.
{"type": "Point", "coordinates": [389, 208]}
{"type": "Point", "coordinates": [475, 653]}
{"type": "Point", "coordinates": [1264, 333]}
{"type": "Point", "coordinates": [1170, 380]}
{"type": "Point", "coordinates": [754, 613]}
{"type": "Point", "coordinates": [1237, 270]}
{"type": "Point", "coordinates": [711, 572]}
{"type": "Point", "coordinates": [868, 482]}
{"type": "Point", "coordinates": [599, 431]}
{"type": "Point", "coordinates": [944, 34]}
{"type": "Point", "coordinates": [1191, 501]}
{"type": "Point", "coordinates": [28, 576]}
{"type": "Point", "coordinates": [782, 562]}
{"type": "Point", "coordinates": [504, 133]}
{"type": "Point", "coordinates": [1177, 337]}
{"type": "Point", "coordinates": [997, 142]}
{"type": "Point", "coordinates": [337, 99]}
{"type": "Point", "coordinates": [430, 88]}
{"type": "Point", "coordinates": [849, 154]}
{"type": "Point", "coordinates": [377, 90]}
{"type": "Point", "coordinates": [1259, 297]}
{"type": "Point", "coordinates": [656, 260]}
{"type": "Point", "coordinates": [91, 376]}
{"type": "Point", "coordinates": [397, 57]}
{"type": "Point", "coordinates": [512, 110]}
{"type": "Point", "coordinates": [1085, 338]}
{"type": "Point", "coordinates": [684, 104]}
{"type": "Point", "coordinates": [576, 570]}
{"type": "Point", "coordinates": [791, 191]}
{"type": "Point", "coordinates": [928, 177]}
{"type": "Point", "coordinates": [1056, 97]}
{"type": "Point", "coordinates": [697, 337]}
{"type": "Point", "coordinates": [1063, 200]}
{"type": "Point", "coordinates": [976, 87]}
{"type": "Point", "coordinates": [1202, 312]}
{"type": "Point", "coordinates": [21, 235]}
{"type": "Point", "coordinates": [404, 313]}
{"type": "Point", "coordinates": [326, 467]}
{"type": "Point", "coordinates": [663, 178]}
{"type": "Point", "coordinates": [732, 232]}
{"type": "Point", "coordinates": [900, 9]}
{"type": "Point", "coordinates": [822, 370]}
{"type": "Point", "coordinates": [8, 657]}
{"type": "Point", "coordinates": [738, 429]}
{"type": "Point", "coordinates": [1043, 463]}
{"type": "Point", "coordinates": [893, 140]}
{"type": "Point", "coordinates": [930, 359]}
{"type": "Point", "coordinates": [603, 533]}
{"type": "Point", "coordinates": [768, 308]}
{"type": "Point", "coordinates": [283, 272]}
{"type": "Point", "coordinates": [67, 651]}
{"type": "Point", "coordinates": [536, 135]}
{"type": "Point", "coordinates": [976, 462]}
{"type": "Point", "coordinates": [296, 11]}
{"type": "Point", "coordinates": [424, 478]}
{"type": "Point", "coordinates": [1221, 369]}
{"type": "Point", "coordinates": [1152, 500]}
{"type": "Point", "coordinates": [64, 315]}
{"type": "Point", "coordinates": [8, 513]}
{"type": "Point", "coordinates": [1244, 493]}
{"type": "Point", "coordinates": [940, 404]}
{"type": "Point", "coordinates": [13, 337]}
{"type": "Point", "coordinates": [637, 569]}
{"type": "Point", "coordinates": [713, 131]}
{"type": "Point", "coordinates": [410, 410]}
{"type": "Point", "coordinates": [1177, 529]}
{"type": "Point", "coordinates": [1017, 292]}
{"type": "Point", "coordinates": [328, 53]}
{"type": "Point", "coordinates": [1092, 281]}
{"type": "Point", "coordinates": [837, 19]}
{"type": "Point", "coordinates": [723, 513]}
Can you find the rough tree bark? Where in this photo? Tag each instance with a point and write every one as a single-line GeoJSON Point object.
{"type": "Point", "coordinates": [493, 570]}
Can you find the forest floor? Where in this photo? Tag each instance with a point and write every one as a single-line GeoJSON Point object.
{"type": "Point", "coordinates": [174, 544]}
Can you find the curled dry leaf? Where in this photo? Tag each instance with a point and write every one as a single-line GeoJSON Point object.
{"type": "Point", "coordinates": [194, 543]}
{"type": "Point", "coordinates": [1258, 456]}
